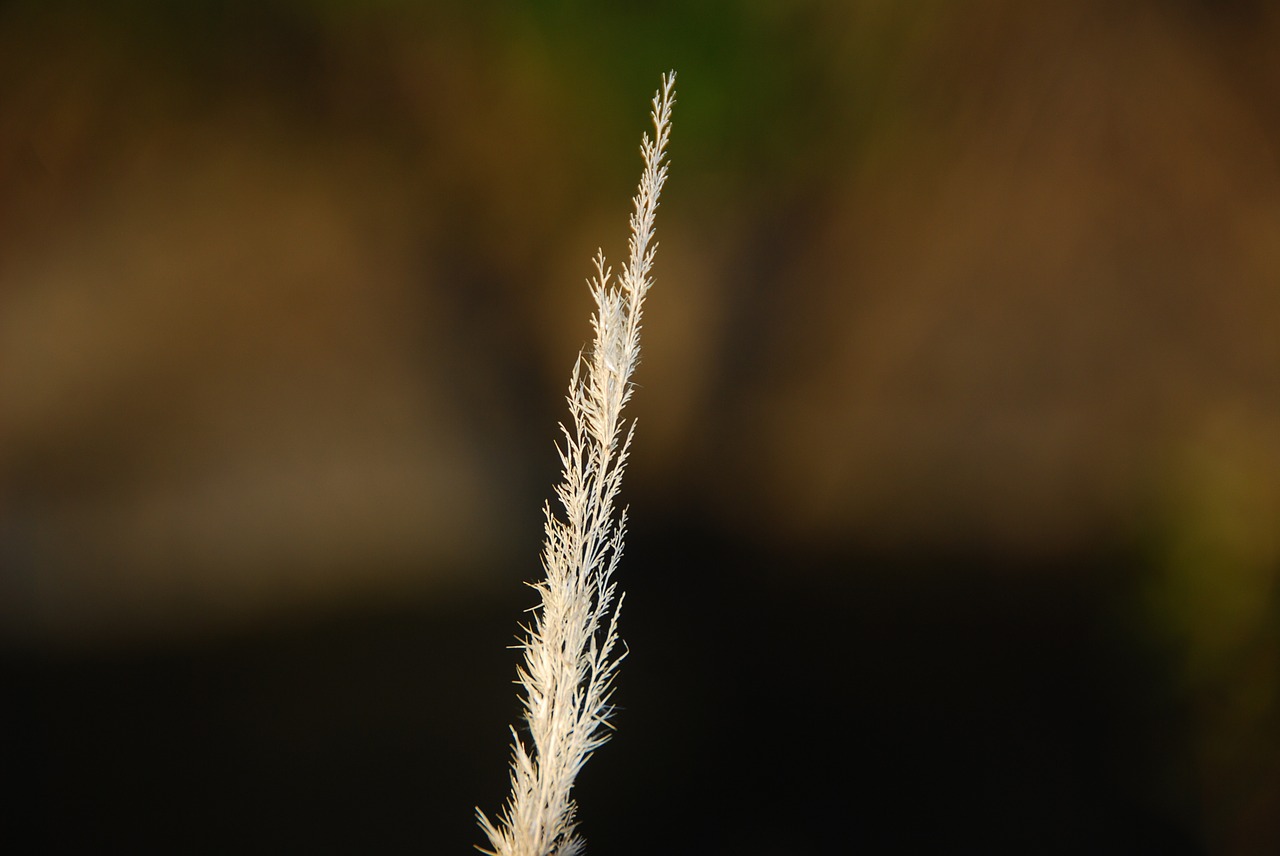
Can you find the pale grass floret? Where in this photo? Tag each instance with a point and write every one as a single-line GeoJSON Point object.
{"type": "Point", "coordinates": [571, 650]}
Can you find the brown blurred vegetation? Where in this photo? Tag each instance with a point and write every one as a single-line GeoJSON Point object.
{"type": "Point", "coordinates": [289, 293]}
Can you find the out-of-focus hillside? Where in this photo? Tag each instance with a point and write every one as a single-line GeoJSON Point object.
{"type": "Point", "coordinates": [291, 287]}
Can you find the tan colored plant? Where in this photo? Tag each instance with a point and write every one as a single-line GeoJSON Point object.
{"type": "Point", "coordinates": [570, 650]}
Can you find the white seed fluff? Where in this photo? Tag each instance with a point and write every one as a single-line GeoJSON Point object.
{"type": "Point", "coordinates": [571, 648]}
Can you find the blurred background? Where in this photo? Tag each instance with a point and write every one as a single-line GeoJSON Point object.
{"type": "Point", "coordinates": [955, 491]}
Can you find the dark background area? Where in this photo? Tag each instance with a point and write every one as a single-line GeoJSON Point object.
{"type": "Point", "coordinates": [955, 491]}
{"type": "Point", "coordinates": [976, 712]}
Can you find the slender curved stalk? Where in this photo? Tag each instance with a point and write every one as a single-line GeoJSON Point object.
{"type": "Point", "coordinates": [571, 647]}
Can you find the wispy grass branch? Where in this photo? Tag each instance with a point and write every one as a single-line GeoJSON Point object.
{"type": "Point", "coordinates": [571, 649]}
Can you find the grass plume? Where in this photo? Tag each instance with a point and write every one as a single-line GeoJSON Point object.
{"type": "Point", "coordinates": [571, 648]}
